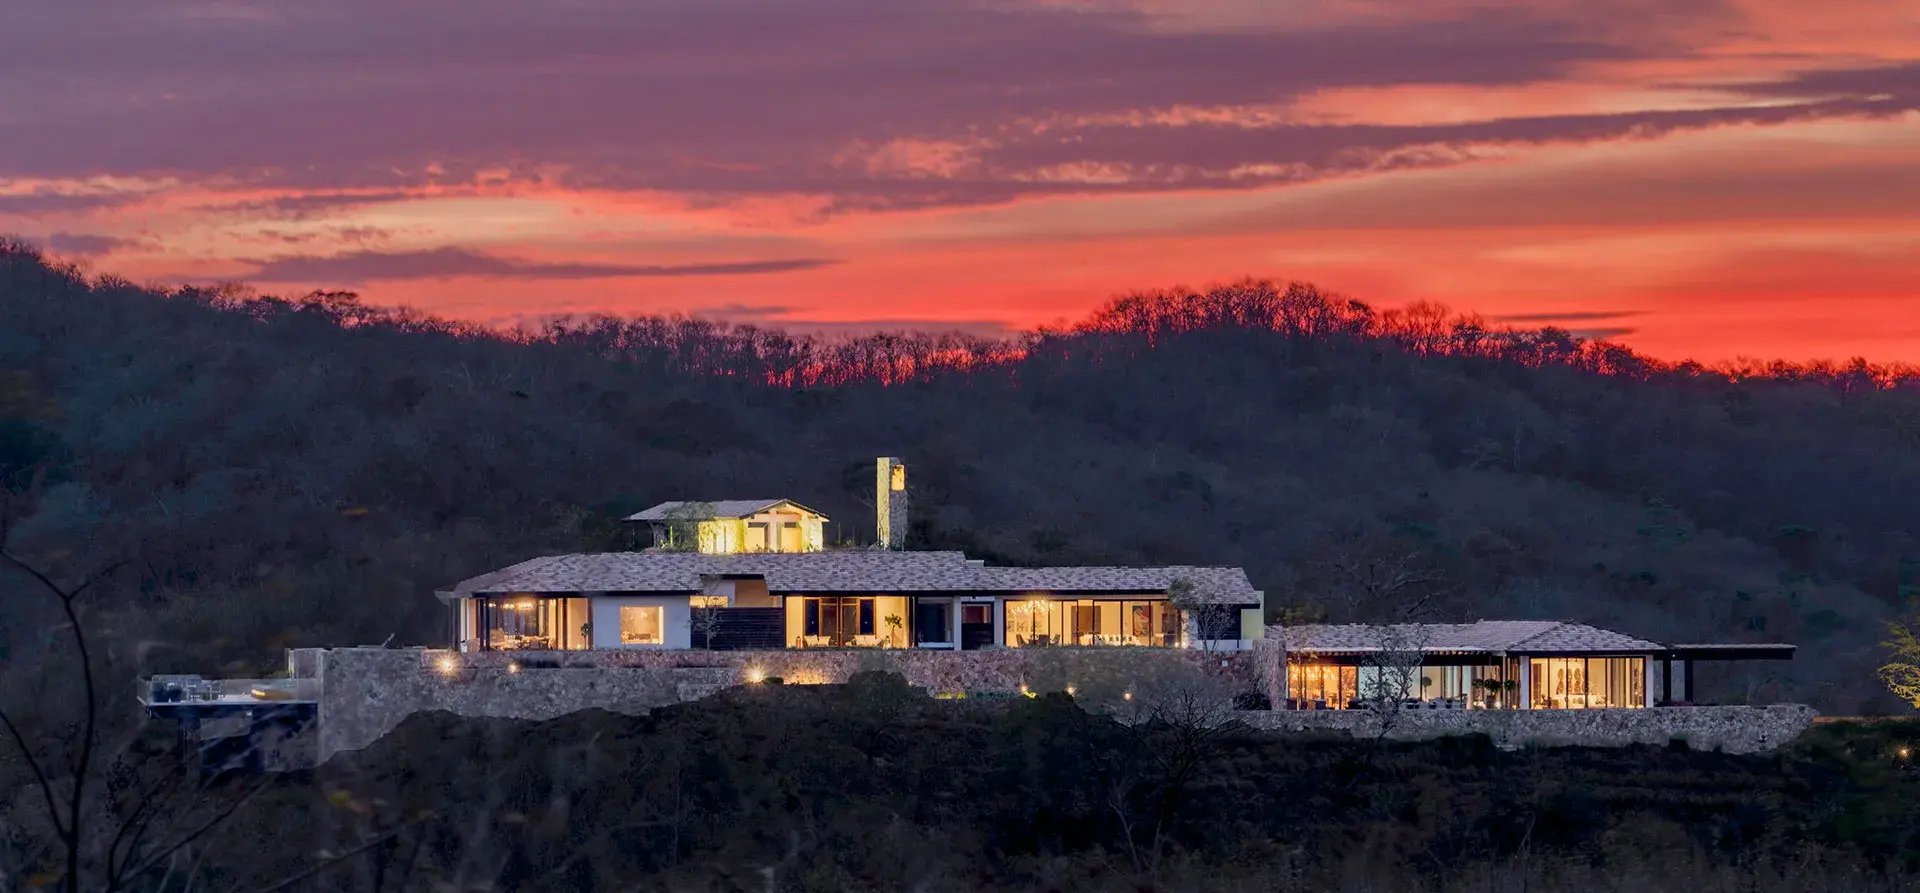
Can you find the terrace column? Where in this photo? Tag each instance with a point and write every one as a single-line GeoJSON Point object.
{"type": "Point", "coordinates": [1526, 683]}
{"type": "Point", "coordinates": [954, 629]}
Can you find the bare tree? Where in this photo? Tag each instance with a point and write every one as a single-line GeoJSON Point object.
{"type": "Point", "coordinates": [1180, 717]}
{"type": "Point", "coordinates": [1394, 680]}
{"type": "Point", "coordinates": [1207, 622]}
{"type": "Point", "coordinates": [1901, 672]}
{"type": "Point", "coordinates": [705, 618]}
{"type": "Point", "coordinates": [681, 529]}
{"type": "Point", "coordinates": [1386, 584]}
{"type": "Point", "coordinates": [116, 814]}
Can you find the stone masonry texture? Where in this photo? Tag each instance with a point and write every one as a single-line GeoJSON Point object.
{"type": "Point", "coordinates": [365, 692]}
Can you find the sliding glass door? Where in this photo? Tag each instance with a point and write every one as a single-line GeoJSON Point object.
{"type": "Point", "coordinates": [531, 623]}
{"type": "Point", "coordinates": [838, 622]}
{"type": "Point", "coordinates": [1091, 622]}
{"type": "Point", "coordinates": [1573, 683]}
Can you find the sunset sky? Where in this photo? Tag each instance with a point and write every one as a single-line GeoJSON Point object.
{"type": "Point", "coordinates": [1693, 178]}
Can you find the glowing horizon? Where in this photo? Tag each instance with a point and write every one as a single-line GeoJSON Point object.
{"type": "Point", "coordinates": [1704, 181]}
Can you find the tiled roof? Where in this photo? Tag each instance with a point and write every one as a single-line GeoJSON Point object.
{"type": "Point", "coordinates": [1526, 636]}
{"type": "Point", "coordinates": [695, 510]}
{"type": "Point", "coordinates": [845, 571]}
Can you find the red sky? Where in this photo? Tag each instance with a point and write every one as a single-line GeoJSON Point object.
{"type": "Point", "coordinates": [1695, 179]}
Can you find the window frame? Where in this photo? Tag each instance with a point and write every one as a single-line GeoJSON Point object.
{"type": "Point", "coordinates": [659, 626]}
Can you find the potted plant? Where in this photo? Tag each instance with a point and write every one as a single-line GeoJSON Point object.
{"type": "Point", "coordinates": [893, 628]}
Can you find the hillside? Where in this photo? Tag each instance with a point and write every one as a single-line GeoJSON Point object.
{"type": "Point", "coordinates": [308, 471]}
{"type": "Point", "coordinates": [873, 786]}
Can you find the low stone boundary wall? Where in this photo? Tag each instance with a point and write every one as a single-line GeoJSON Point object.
{"type": "Point", "coordinates": [1738, 730]}
{"type": "Point", "coordinates": [937, 670]}
{"type": "Point", "coordinates": [365, 692]}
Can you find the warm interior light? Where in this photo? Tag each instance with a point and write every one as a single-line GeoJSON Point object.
{"type": "Point", "coordinates": [1072, 689]}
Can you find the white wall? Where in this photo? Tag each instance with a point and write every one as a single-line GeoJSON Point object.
{"type": "Point", "coordinates": [463, 609]}
{"type": "Point", "coordinates": [606, 620]}
{"type": "Point", "coordinates": [796, 620]}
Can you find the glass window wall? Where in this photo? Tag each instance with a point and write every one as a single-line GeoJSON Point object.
{"type": "Point", "coordinates": [1092, 622]}
{"type": "Point", "coordinates": [1575, 683]}
{"type": "Point", "coordinates": [529, 623]}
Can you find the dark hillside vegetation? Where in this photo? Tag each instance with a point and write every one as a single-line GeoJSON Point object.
{"type": "Point", "coordinates": [307, 471]}
{"type": "Point", "coordinates": [872, 786]}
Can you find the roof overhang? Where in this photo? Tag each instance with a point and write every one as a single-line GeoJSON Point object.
{"type": "Point", "coordinates": [757, 508]}
{"type": "Point", "coordinates": [1732, 651]}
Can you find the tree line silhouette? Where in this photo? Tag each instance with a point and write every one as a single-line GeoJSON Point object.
{"type": "Point", "coordinates": [308, 470]}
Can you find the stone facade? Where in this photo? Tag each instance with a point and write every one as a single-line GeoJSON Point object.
{"type": "Point", "coordinates": [890, 503]}
{"type": "Point", "coordinates": [1737, 730]}
{"type": "Point", "coordinates": [365, 692]}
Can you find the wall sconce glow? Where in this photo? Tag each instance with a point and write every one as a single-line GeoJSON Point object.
{"type": "Point", "coordinates": [513, 666]}
{"type": "Point", "coordinates": [1072, 690]}
{"type": "Point", "coordinates": [446, 665]}
{"type": "Point", "coordinates": [1126, 696]}
{"type": "Point", "coordinates": [755, 675]}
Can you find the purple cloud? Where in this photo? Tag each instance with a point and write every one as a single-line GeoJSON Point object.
{"type": "Point", "coordinates": [306, 206]}
{"type": "Point", "coordinates": [46, 201]}
{"type": "Point", "coordinates": [1556, 318]}
{"type": "Point", "coordinates": [726, 98]}
{"type": "Point", "coordinates": [779, 316]}
{"type": "Point", "coordinates": [447, 263]}
{"type": "Point", "coordinates": [86, 243]}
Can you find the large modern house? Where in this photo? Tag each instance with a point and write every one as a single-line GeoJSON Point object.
{"type": "Point", "coordinates": [1516, 664]}
{"type": "Point", "coordinates": [740, 574]}
{"type": "Point", "coordinates": [755, 586]}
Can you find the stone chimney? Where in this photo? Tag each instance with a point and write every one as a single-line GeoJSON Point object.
{"type": "Point", "coordinates": [890, 503]}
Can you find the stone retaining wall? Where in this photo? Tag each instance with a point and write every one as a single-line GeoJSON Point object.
{"type": "Point", "coordinates": [1728, 729]}
{"type": "Point", "coordinates": [365, 692]}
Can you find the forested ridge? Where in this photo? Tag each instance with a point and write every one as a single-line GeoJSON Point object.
{"type": "Point", "coordinates": [307, 471]}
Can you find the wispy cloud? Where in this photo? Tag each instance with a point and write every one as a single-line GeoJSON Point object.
{"type": "Point", "coordinates": [447, 263]}
{"type": "Point", "coordinates": [1001, 100]}
{"type": "Point", "coordinates": [1603, 333]}
{"type": "Point", "coordinates": [87, 243]}
{"type": "Point", "coordinates": [39, 203]}
{"type": "Point", "coordinates": [305, 205]}
{"type": "Point", "coordinates": [1557, 317]}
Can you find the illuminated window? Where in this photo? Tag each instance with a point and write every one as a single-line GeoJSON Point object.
{"type": "Point", "coordinates": [642, 625]}
{"type": "Point", "coordinates": [1322, 686]}
{"type": "Point", "coordinates": [899, 477]}
{"type": "Point", "coordinates": [707, 601]}
{"type": "Point", "coordinates": [1091, 622]}
{"type": "Point", "coordinates": [837, 622]}
{"type": "Point", "coordinates": [527, 623]}
{"type": "Point", "coordinates": [1573, 683]}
